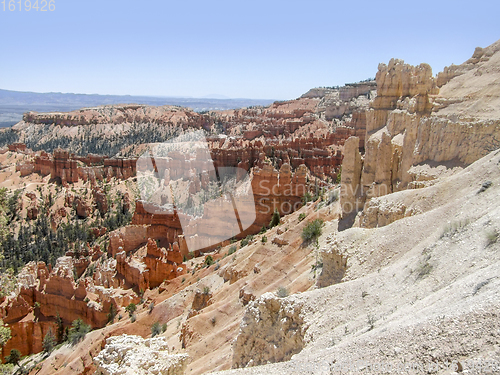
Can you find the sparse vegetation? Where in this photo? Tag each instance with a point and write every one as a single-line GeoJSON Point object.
{"type": "Point", "coordinates": [302, 216]}
{"type": "Point", "coordinates": [231, 250]}
{"type": "Point", "coordinates": [245, 241]}
{"type": "Point", "coordinates": [13, 357]}
{"type": "Point", "coordinates": [77, 332]}
{"type": "Point", "coordinates": [264, 239]}
{"type": "Point", "coordinates": [5, 333]}
{"type": "Point", "coordinates": [317, 265]}
{"type": "Point", "coordinates": [454, 227]}
{"type": "Point", "coordinates": [151, 307]}
{"type": "Point", "coordinates": [371, 322]}
{"type": "Point", "coordinates": [312, 231]}
{"type": "Point", "coordinates": [112, 313]}
{"type": "Point", "coordinates": [155, 329]}
{"type": "Point", "coordinates": [491, 236]}
{"type": "Point", "coordinates": [307, 198]}
{"type": "Point", "coordinates": [275, 220]}
{"type": "Point", "coordinates": [479, 286]}
{"type": "Point", "coordinates": [206, 290]}
{"type": "Point", "coordinates": [131, 308]}
{"type": "Point", "coordinates": [282, 292]}
{"type": "Point", "coordinates": [208, 261]}
{"type": "Point", "coordinates": [333, 196]}
{"type": "Point", "coordinates": [485, 185]}
{"type": "Point", "coordinates": [49, 342]}
{"type": "Point", "coordinates": [424, 268]}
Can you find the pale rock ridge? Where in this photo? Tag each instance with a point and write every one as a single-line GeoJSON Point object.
{"type": "Point", "coordinates": [334, 260]}
{"type": "Point", "coordinates": [133, 355]}
{"type": "Point", "coordinates": [272, 330]}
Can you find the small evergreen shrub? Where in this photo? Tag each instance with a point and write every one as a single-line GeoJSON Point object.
{"type": "Point", "coordinates": [78, 331]}
{"type": "Point", "coordinates": [282, 292]}
{"type": "Point", "coordinates": [232, 250]}
{"type": "Point", "coordinates": [155, 329]}
{"type": "Point", "coordinates": [312, 231]}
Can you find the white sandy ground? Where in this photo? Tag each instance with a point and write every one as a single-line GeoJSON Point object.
{"type": "Point", "coordinates": [389, 309]}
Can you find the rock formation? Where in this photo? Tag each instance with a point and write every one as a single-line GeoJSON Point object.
{"type": "Point", "coordinates": [411, 121]}
{"type": "Point", "coordinates": [67, 169]}
{"type": "Point", "coordinates": [48, 294]}
{"type": "Point", "coordinates": [351, 177]}
{"type": "Point", "coordinates": [269, 319]}
{"type": "Point", "coordinates": [133, 355]}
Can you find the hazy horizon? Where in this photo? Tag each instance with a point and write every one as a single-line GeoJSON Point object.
{"type": "Point", "coordinates": [209, 96]}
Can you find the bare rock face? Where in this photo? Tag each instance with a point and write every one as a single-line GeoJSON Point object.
{"type": "Point", "coordinates": [163, 264]}
{"type": "Point", "coordinates": [133, 271]}
{"type": "Point", "coordinates": [334, 264]}
{"type": "Point", "coordinates": [378, 213]}
{"type": "Point", "coordinates": [269, 319]}
{"type": "Point", "coordinates": [201, 299]}
{"type": "Point", "coordinates": [25, 168]}
{"type": "Point", "coordinates": [133, 355]}
{"type": "Point", "coordinates": [413, 122]}
{"type": "Point", "coordinates": [32, 209]}
{"type": "Point", "coordinates": [64, 167]}
{"type": "Point", "coordinates": [246, 295]}
{"type": "Point", "coordinates": [46, 295]}
{"type": "Point", "coordinates": [351, 177]}
{"type": "Point", "coordinates": [280, 241]}
{"type": "Point", "coordinates": [127, 238]}
{"type": "Point", "coordinates": [100, 200]}
{"type": "Point", "coordinates": [272, 189]}
{"type": "Point", "coordinates": [82, 207]}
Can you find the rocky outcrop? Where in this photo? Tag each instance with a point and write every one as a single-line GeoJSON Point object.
{"type": "Point", "coordinates": [133, 355]}
{"type": "Point", "coordinates": [163, 264]}
{"type": "Point", "coordinates": [246, 295]}
{"type": "Point", "coordinates": [41, 296]}
{"type": "Point", "coordinates": [277, 190]}
{"type": "Point", "coordinates": [351, 177]}
{"type": "Point", "coordinates": [25, 168]}
{"type": "Point", "coordinates": [157, 266]}
{"type": "Point", "coordinates": [269, 319]}
{"type": "Point", "coordinates": [64, 168]}
{"type": "Point", "coordinates": [32, 209]}
{"type": "Point", "coordinates": [81, 206]}
{"type": "Point", "coordinates": [117, 115]}
{"type": "Point", "coordinates": [127, 239]}
{"type": "Point", "coordinates": [411, 122]}
{"type": "Point", "coordinates": [334, 260]}
{"type": "Point", "coordinates": [27, 336]}
{"type": "Point", "coordinates": [378, 213]}
{"type": "Point", "coordinates": [67, 168]}
{"type": "Point", "coordinates": [201, 299]}
{"type": "Point", "coordinates": [17, 147]}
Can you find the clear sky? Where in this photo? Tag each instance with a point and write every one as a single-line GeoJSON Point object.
{"type": "Point", "coordinates": [238, 49]}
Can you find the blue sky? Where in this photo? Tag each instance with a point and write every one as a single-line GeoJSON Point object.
{"type": "Point", "coordinates": [238, 49]}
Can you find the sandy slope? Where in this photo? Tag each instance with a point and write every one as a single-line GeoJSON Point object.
{"type": "Point", "coordinates": [422, 289]}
